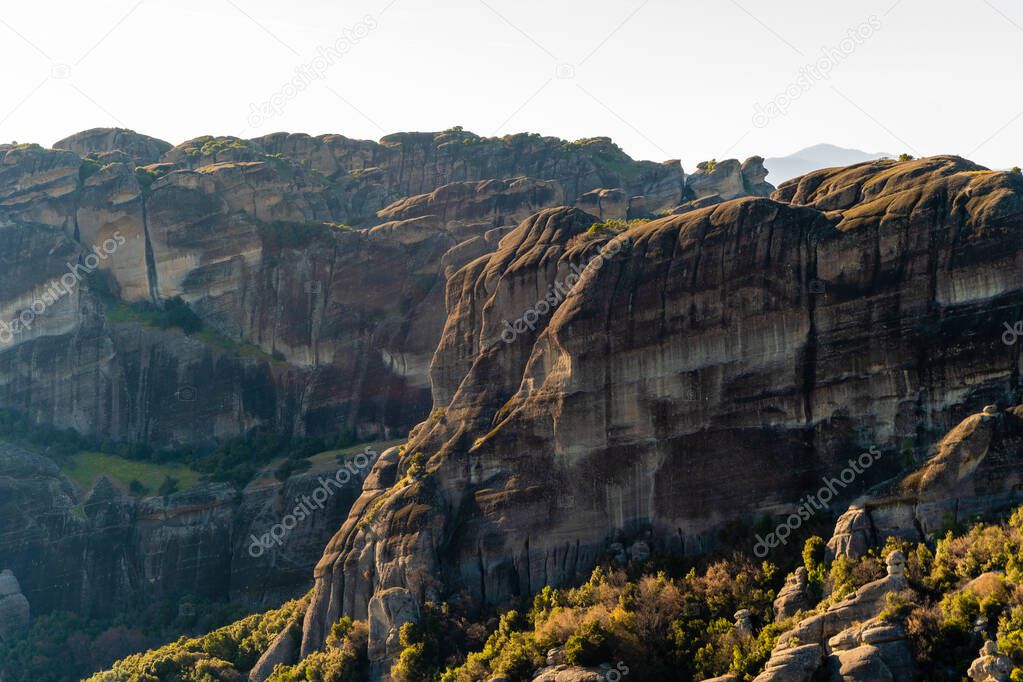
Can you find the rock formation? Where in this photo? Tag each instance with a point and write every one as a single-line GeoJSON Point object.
{"type": "Point", "coordinates": [209, 541]}
{"type": "Point", "coordinates": [975, 470]}
{"type": "Point", "coordinates": [790, 332]}
{"type": "Point", "coordinates": [557, 669]}
{"type": "Point", "coordinates": [115, 144]}
{"type": "Point", "coordinates": [313, 326]}
{"type": "Point", "coordinates": [14, 607]}
{"type": "Point", "coordinates": [990, 666]}
{"type": "Point", "coordinates": [729, 179]}
{"type": "Point", "coordinates": [793, 596]}
{"type": "Point", "coordinates": [591, 392]}
{"type": "Point", "coordinates": [848, 639]}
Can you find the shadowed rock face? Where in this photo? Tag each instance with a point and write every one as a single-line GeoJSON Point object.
{"type": "Point", "coordinates": [315, 326]}
{"type": "Point", "coordinates": [100, 552]}
{"type": "Point", "coordinates": [974, 470]}
{"type": "Point", "coordinates": [717, 365]}
{"type": "Point", "coordinates": [14, 608]}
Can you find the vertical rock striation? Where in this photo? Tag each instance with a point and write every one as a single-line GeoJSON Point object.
{"type": "Point", "coordinates": [718, 364]}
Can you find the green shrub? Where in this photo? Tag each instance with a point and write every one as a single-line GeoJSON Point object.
{"type": "Point", "coordinates": [136, 488]}
{"type": "Point", "coordinates": [591, 645]}
{"type": "Point", "coordinates": [88, 168]}
{"type": "Point", "coordinates": [814, 550]}
{"type": "Point", "coordinates": [169, 486]}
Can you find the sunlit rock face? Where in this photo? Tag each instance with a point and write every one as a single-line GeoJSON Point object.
{"type": "Point", "coordinates": [318, 268]}
{"type": "Point", "coordinates": [717, 364]}
{"type": "Point", "coordinates": [317, 265]}
{"type": "Point", "coordinates": [115, 143]}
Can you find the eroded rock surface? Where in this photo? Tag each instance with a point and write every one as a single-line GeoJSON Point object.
{"type": "Point", "coordinates": [793, 596]}
{"type": "Point", "coordinates": [973, 471]}
{"type": "Point", "coordinates": [313, 326]}
{"type": "Point", "coordinates": [847, 640]}
{"type": "Point", "coordinates": [208, 541]}
{"type": "Point", "coordinates": [716, 365]}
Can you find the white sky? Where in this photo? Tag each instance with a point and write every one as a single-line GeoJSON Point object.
{"type": "Point", "coordinates": [664, 78]}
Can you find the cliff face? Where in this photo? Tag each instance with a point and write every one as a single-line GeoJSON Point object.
{"type": "Point", "coordinates": [318, 268]}
{"type": "Point", "coordinates": [311, 325]}
{"type": "Point", "coordinates": [100, 553]}
{"type": "Point", "coordinates": [716, 365]}
{"type": "Point", "coordinates": [974, 471]}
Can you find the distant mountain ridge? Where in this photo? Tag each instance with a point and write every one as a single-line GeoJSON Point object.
{"type": "Point", "coordinates": [782, 168]}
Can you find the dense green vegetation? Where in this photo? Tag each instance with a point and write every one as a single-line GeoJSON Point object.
{"type": "Point", "coordinates": [343, 660]}
{"type": "Point", "coordinates": [238, 460]}
{"type": "Point", "coordinates": [173, 313]}
{"type": "Point", "coordinates": [147, 176]}
{"type": "Point", "coordinates": [283, 234]}
{"type": "Point", "coordinates": [64, 646]}
{"type": "Point", "coordinates": [228, 653]}
{"type": "Point", "coordinates": [88, 168]}
{"type": "Point", "coordinates": [660, 627]}
{"type": "Point", "coordinates": [666, 622]}
{"type": "Point", "coordinates": [219, 655]}
{"type": "Point", "coordinates": [668, 628]}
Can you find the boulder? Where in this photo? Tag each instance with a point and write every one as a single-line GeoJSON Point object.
{"type": "Point", "coordinates": [873, 650]}
{"type": "Point", "coordinates": [606, 204]}
{"type": "Point", "coordinates": [853, 534]}
{"type": "Point", "coordinates": [793, 596]}
{"type": "Point", "coordinates": [388, 611]}
{"type": "Point", "coordinates": [839, 628]}
{"type": "Point", "coordinates": [754, 177]}
{"type": "Point", "coordinates": [990, 666]}
{"type": "Point", "coordinates": [794, 664]}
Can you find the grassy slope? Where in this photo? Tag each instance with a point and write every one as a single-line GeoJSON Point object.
{"type": "Point", "coordinates": [86, 467]}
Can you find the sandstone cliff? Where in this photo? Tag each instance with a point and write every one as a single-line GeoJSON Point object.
{"type": "Point", "coordinates": [313, 326]}
{"type": "Point", "coordinates": [716, 365]}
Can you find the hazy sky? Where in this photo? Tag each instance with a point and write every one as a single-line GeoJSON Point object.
{"type": "Point", "coordinates": [664, 78]}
